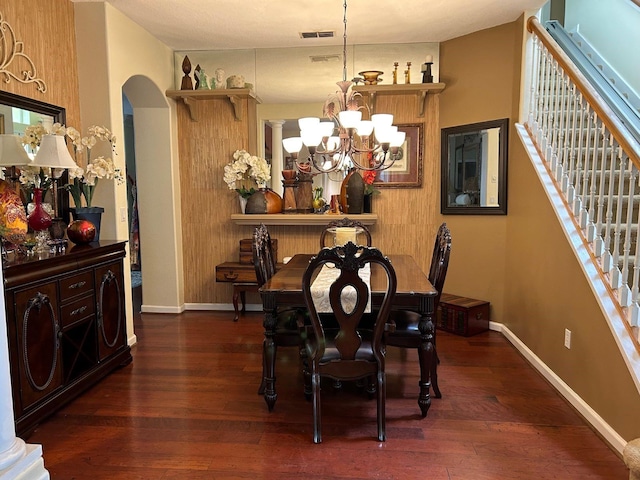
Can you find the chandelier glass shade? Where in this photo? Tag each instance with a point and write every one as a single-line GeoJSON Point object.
{"type": "Point", "coordinates": [346, 140]}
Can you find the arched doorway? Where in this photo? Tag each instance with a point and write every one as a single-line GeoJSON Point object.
{"type": "Point", "coordinates": [157, 195]}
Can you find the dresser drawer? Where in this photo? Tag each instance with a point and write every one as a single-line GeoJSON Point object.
{"type": "Point", "coordinates": [76, 311]}
{"type": "Point", "coordinates": [236, 273]}
{"type": "Point", "coordinates": [76, 285]}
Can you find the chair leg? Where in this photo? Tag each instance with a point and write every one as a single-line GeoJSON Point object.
{"type": "Point", "coordinates": [306, 376]}
{"type": "Point", "coordinates": [315, 386]}
{"type": "Point", "coordinates": [382, 394]}
{"type": "Point", "coordinates": [263, 383]}
{"type": "Point", "coordinates": [434, 375]}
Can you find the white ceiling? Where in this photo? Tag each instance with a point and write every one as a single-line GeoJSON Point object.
{"type": "Point", "coordinates": [233, 24]}
{"type": "Point", "coordinates": [249, 37]}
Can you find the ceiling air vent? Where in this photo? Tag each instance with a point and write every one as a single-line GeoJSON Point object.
{"type": "Point", "coordinates": [325, 58]}
{"type": "Point", "coordinates": [317, 35]}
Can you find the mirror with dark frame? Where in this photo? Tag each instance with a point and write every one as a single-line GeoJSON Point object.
{"type": "Point", "coordinates": [474, 168]}
{"type": "Point", "coordinates": [17, 113]}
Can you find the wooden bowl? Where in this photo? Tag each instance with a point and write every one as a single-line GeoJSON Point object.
{"type": "Point", "coordinates": [371, 77]}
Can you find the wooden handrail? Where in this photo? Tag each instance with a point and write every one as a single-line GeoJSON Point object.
{"type": "Point", "coordinates": [607, 116]}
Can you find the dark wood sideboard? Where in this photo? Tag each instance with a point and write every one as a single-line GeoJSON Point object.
{"type": "Point", "coordinates": [66, 325]}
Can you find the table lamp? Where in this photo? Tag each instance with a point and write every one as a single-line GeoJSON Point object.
{"type": "Point", "coordinates": [12, 155]}
{"type": "Point", "coordinates": [53, 153]}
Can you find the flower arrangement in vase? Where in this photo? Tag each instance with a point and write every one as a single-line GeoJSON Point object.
{"type": "Point", "coordinates": [369, 176]}
{"type": "Point", "coordinates": [82, 180]}
{"type": "Point", "coordinates": [245, 173]}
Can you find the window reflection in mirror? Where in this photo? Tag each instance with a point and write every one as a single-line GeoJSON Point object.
{"type": "Point", "coordinates": [474, 168]}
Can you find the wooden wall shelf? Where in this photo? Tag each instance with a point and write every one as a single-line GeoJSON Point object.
{"type": "Point", "coordinates": [191, 97]}
{"type": "Point", "coordinates": [420, 90]}
{"type": "Point", "coordinates": [298, 219]}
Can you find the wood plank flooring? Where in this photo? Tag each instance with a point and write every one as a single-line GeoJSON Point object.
{"type": "Point", "coordinates": [187, 408]}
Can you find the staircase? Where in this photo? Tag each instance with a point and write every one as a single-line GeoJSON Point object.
{"type": "Point", "coordinates": [593, 161]}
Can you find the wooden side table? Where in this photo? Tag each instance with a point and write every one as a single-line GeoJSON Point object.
{"type": "Point", "coordinates": [243, 277]}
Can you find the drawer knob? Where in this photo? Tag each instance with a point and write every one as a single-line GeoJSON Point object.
{"type": "Point", "coordinates": [479, 316]}
{"type": "Point", "coordinates": [78, 285]}
{"type": "Point", "coordinates": [231, 276]}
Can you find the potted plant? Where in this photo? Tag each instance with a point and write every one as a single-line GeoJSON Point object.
{"type": "Point", "coordinates": [246, 172]}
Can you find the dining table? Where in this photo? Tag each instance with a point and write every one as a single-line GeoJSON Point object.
{"type": "Point", "coordinates": [414, 292]}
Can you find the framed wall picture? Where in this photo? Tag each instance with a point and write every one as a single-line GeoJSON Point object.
{"type": "Point", "coordinates": [406, 171]}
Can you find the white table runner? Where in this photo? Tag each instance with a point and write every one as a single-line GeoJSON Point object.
{"type": "Point", "coordinates": [322, 283]}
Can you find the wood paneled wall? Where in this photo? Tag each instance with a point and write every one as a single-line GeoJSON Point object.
{"type": "Point", "coordinates": [47, 31]}
{"type": "Point", "coordinates": [407, 218]}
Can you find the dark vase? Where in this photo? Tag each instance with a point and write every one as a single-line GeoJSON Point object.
{"type": "Point", "coordinates": [264, 200]}
{"type": "Point", "coordinates": [352, 193]}
{"type": "Point", "coordinates": [39, 219]}
{"type": "Point", "coordinates": [366, 205]}
{"type": "Point", "coordinates": [57, 229]}
{"type": "Point", "coordinates": [93, 214]}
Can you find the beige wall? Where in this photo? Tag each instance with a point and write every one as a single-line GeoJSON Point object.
{"type": "Point", "coordinates": [117, 55]}
{"type": "Point", "coordinates": [522, 262]}
{"type": "Point", "coordinates": [478, 70]}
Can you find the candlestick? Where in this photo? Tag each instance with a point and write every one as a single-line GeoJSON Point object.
{"type": "Point", "coordinates": [426, 72]}
{"type": "Point", "coordinates": [395, 72]}
{"type": "Point", "coordinates": [407, 73]}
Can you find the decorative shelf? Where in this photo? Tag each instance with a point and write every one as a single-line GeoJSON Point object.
{"type": "Point", "coordinates": [191, 97]}
{"type": "Point", "coordinates": [298, 218]}
{"type": "Point", "coordinates": [420, 90]}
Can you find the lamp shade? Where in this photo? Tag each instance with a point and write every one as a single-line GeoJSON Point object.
{"type": "Point", "coordinates": [53, 153]}
{"type": "Point", "coordinates": [12, 153]}
{"type": "Point", "coordinates": [292, 144]}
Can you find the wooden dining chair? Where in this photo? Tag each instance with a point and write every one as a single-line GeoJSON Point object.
{"type": "Point", "coordinates": [347, 350]}
{"type": "Point", "coordinates": [344, 222]}
{"type": "Point", "coordinates": [406, 333]}
{"type": "Point", "coordinates": [289, 322]}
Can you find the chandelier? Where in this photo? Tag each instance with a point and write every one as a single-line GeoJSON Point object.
{"type": "Point", "coordinates": [364, 144]}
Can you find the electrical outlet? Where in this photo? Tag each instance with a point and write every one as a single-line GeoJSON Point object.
{"type": "Point", "coordinates": [567, 338]}
{"type": "Point", "coordinates": [123, 214]}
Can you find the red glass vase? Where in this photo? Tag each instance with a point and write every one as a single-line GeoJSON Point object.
{"type": "Point", "coordinates": [39, 219]}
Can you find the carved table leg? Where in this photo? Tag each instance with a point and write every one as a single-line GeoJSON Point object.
{"type": "Point", "coordinates": [426, 357]}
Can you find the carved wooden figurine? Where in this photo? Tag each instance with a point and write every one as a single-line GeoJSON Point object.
{"type": "Point", "coordinates": [186, 80]}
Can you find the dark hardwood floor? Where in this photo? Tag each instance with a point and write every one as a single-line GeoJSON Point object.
{"type": "Point", "coordinates": [187, 408]}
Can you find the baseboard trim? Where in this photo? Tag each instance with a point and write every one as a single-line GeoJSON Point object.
{"type": "Point", "coordinates": [591, 416]}
{"type": "Point", "coordinates": [225, 307]}
{"type": "Point", "coordinates": [161, 309]}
